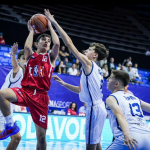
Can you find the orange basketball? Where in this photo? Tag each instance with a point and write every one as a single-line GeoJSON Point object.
{"type": "Point", "coordinates": [39, 23]}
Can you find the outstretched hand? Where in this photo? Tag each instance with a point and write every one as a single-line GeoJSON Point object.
{"type": "Point", "coordinates": [14, 49]}
{"type": "Point", "coordinates": [56, 78]}
{"type": "Point", "coordinates": [128, 140]}
{"type": "Point", "coordinates": [49, 16]}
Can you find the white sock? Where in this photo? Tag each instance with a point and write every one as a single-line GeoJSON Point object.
{"type": "Point", "coordinates": [9, 119]}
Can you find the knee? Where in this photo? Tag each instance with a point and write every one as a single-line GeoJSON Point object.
{"type": "Point", "coordinates": [41, 139]}
{"type": "Point", "coordinates": [1, 94]}
{"type": "Point", "coordinates": [17, 138]}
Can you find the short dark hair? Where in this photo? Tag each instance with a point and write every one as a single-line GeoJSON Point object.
{"type": "Point", "coordinates": [21, 52]}
{"type": "Point", "coordinates": [102, 51]}
{"type": "Point", "coordinates": [122, 76]}
{"type": "Point", "coordinates": [75, 107]}
{"type": "Point", "coordinates": [42, 35]}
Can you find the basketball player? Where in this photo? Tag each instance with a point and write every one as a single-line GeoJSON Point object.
{"type": "Point", "coordinates": [126, 90]}
{"type": "Point", "coordinates": [13, 79]}
{"type": "Point", "coordinates": [126, 116]}
{"type": "Point", "coordinates": [90, 89]}
{"type": "Point", "coordinates": [35, 85]}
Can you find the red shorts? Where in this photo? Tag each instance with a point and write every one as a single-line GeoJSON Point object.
{"type": "Point", "coordinates": [37, 101]}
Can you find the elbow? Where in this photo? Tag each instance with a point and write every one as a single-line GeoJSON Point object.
{"type": "Point", "coordinates": [26, 47]}
{"type": "Point", "coordinates": [69, 43]}
{"type": "Point", "coordinates": [57, 44]}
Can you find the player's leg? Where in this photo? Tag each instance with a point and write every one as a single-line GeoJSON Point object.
{"type": "Point", "coordinates": [98, 147]}
{"type": "Point", "coordinates": [91, 146]}
{"type": "Point", "coordinates": [15, 140]}
{"type": "Point", "coordinates": [6, 96]}
{"type": "Point", "coordinates": [41, 137]}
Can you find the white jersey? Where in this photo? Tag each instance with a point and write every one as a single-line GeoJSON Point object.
{"type": "Point", "coordinates": [11, 82]}
{"type": "Point", "coordinates": [91, 85]}
{"type": "Point", "coordinates": [91, 94]}
{"type": "Point", "coordinates": [131, 109]}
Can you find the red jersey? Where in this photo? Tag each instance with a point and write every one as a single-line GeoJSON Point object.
{"type": "Point", "coordinates": [2, 41]}
{"type": "Point", "coordinates": [38, 72]}
{"type": "Point", "coordinates": [71, 112]}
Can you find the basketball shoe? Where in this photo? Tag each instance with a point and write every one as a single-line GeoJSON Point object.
{"type": "Point", "coordinates": [9, 130]}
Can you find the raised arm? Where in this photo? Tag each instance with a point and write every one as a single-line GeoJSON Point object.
{"type": "Point", "coordinates": [29, 42]}
{"type": "Point", "coordinates": [55, 39]}
{"type": "Point", "coordinates": [15, 66]}
{"type": "Point", "coordinates": [70, 87]}
{"type": "Point", "coordinates": [145, 106]}
{"type": "Point", "coordinates": [67, 41]}
{"type": "Point", "coordinates": [112, 104]}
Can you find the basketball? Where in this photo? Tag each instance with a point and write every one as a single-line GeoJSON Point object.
{"type": "Point", "coordinates": [39, 23]}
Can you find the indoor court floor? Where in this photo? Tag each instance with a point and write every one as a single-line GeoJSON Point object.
{"type": "Point", "coordinates": [51, 145]}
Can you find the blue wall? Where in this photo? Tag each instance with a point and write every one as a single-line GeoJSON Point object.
{"type": "Point", "coordinates": [61, 97]}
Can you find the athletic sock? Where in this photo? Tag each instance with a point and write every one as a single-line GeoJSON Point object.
{"type": "Point", "coordinates": [9, 119]}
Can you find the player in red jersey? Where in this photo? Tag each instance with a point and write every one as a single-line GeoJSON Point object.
{"type": "Point", "coordinates": [35, 85]}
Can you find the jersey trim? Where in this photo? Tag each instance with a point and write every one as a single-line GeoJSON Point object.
{"type": "Point", "coordinates": [91, 109]}
{"type": "Point", "coordinates": [13, 82]}
{"type": "Point", "coordinates": [115, 98]}
{"type": "Point", "coordinates": [119, 128]}
{"type": "Point", "coordinates": [91, 70]}
{"type": "Point", "coordinates": [29, 59]}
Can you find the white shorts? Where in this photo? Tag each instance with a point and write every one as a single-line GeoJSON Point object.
{"type": "Point", "coordinates": [2, 118]}
{"type": "Point", "coordinates": [142, 139]}
{"type": "Point", "coordinates": [95, 119]}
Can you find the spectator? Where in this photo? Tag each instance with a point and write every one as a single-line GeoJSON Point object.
{"type": "Point", "coordinates": [58, 58]}
{"type": "Point", "coordinates": [67, 64]}
{"type": "Point", "coordinates": [111, 65]}
{"type": "Point", "coordinates": [147, 53]}
{"type": "Point", "coordinates": [60, 68]}
{"type": "Point", "coordinates": [72, 109]}
{"type": "Point", "coordinates": [130, 62]}
{"type": "Point", "coordinates": [132, 76]}
{"type": "Point", "coordinates": [105, 71]}
{"type": "Point", "coordinates": [63, 53]}
{"type": "Point", "coordinates": [2, 41]}
{"type": "Point", "coordinates": [71, 57]}
{"type": "Point", "coordinates": [78, 64]}
{"type": "Point", "coordinates": [122, 68]}
{"type": "Point", "coordinates": [82, 110]}
{"type": "Point", "coordinates": [102, 62]}
{"type": "Point", "coordinates": [72, 70]}
{"type": "Point", "coordinates": [135, 70]}
{"type": "Point", "coordinates": [125, 61]}
{"type": "Point", "coordinates": [118, 67]}
{"type": "Point", "coordinates": [126, 66]}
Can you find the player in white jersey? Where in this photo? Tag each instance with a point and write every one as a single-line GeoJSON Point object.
{"type": "Point", "coordinates": [90, 89]}
{"type": "Point", "coordinates": [126, 116]}
{"type": "Point", "coordinates": [13, 79]}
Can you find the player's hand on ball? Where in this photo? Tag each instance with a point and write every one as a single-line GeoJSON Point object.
{"type": "Point", "coordinates": [14, 49]}
{"type": "Point", "coordinates": [30, 28]}
{"type": "Point", "coordinates": [49, 16]}
{"type": "Point", "coordinates": [56, 78]}
{"type": "Point", "coordinates": [129, 141]}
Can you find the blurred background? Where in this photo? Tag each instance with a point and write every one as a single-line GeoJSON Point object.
{"type": "Point", "coordinates": [123, 29]}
